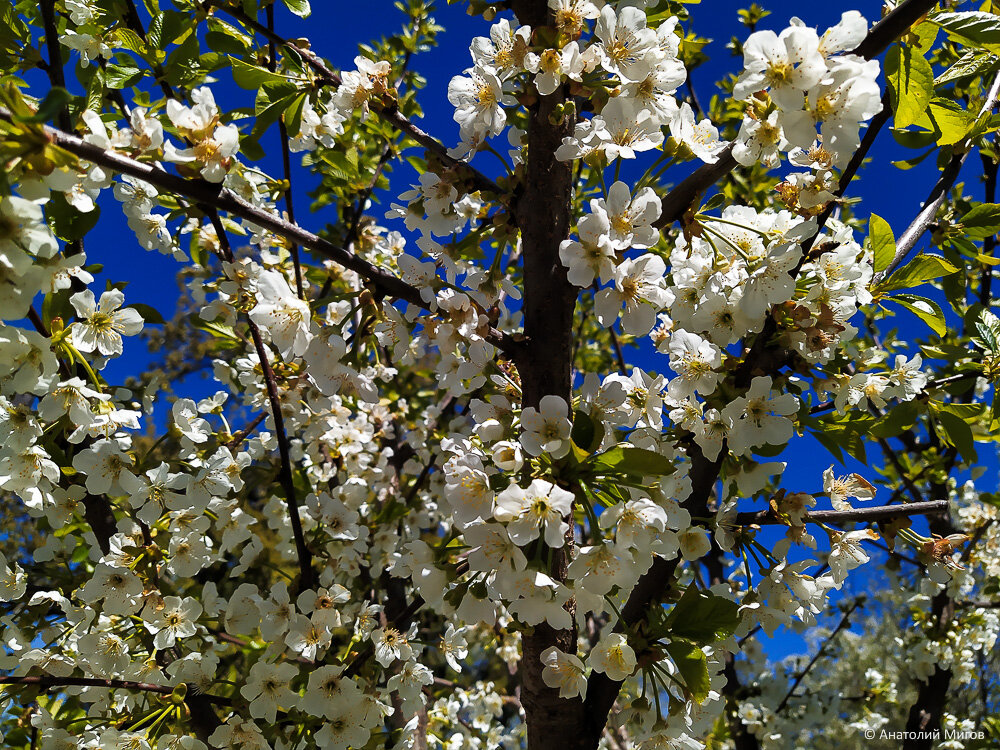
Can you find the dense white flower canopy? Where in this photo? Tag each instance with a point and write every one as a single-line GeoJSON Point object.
{"type": "Point", "coordinates": [511, 460]}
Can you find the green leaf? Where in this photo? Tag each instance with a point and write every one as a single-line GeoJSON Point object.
{"type": "Point", "coordinates": [919, 270]}
{"type": "Point", "coordinates": [975, 28]}
{"type": "Point", "coordinates": [905, 164]}
{"type": "Point", "coordinates": [956, 431]}
{"type": "Point", "coordinates": [122, 76]}
{"type": "Point", "coordinates": [149, 313]}
{"type": "Point", "coordinates": [224, 44]}
{"type": "Point", "coordinates": [68, 223]}
{"type": "Point", "coordinates": [716, 201]}
{"type": "Point", "coordinates": [702, 617]}
{"type": "Point", "coordinates": [128, 39]}
{"type": "Point", "coordinates": [927, 310]}
{"type": "Point", "coordinates": [584, 434]}
{"type": "Point", "coordinates": [900, 418]}
{"type": "Point", "coordinates": [883, 242]}
{"type": "Point", "coordinates": [950, 121]}
{"type": "Point", "coordinates": [293, 115]}
{"type": "Point", "coordinates": [988, 326]}
{"type": "Point", "coordinates": [972, 63]}
{"type": "Point", "coordinates": [982, 221]}
{"type": "Point", "coordinates": [692, 666]}
{"type": "Point", "coordinates": [225, 38]}
{"type": "Point", "coordinates": [221, 331]}
{"type": "Point", "coordinates": [253, 76]}
{"type": "Point", "coordinates": [298, 7]}
{"type": "Point", "coordinates": [273, 92]}
{"type": "Point", "coordinates": [627, 460]}
{"type": "Point", "coordinates": [175, 28]}
{"type": "Point", "coordinates": [96, 90]}
{"type": "Point", "coordinates": [49, 107]}
{"type": "Point", "coordinates": [911, 81]}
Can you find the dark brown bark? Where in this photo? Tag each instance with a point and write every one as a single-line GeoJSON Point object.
{"type": "Point", "coordinates": [544, 360]}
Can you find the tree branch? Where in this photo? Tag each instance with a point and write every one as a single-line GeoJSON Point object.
{"type": "Point", "coordinates": [286, 158]}
{"type": "Point", "coordinates": [878, 513]}
{"type": "Point", "coordinates": [893, 26]}
{"type": "Point", "coordinates": [802, 675]}
{"type": "Point", "coordinates": [145, 687]}
{"type": "Point", "coordinates": [220, 198]}
{"type": "Point", "coordinates": [306, 573]}
{"type": "Point", "coordinates": [391, 115]}
{"type": "Point", "coordinates": [881, 35]}
{"type": "Point", "coordinates": [908, 239]}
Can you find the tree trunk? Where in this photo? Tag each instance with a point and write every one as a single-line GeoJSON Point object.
{"type": "Point", "coordinates": [544, 362]}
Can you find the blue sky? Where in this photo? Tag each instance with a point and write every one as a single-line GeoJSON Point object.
{"type": "Point", "coordinates": [887, 191]}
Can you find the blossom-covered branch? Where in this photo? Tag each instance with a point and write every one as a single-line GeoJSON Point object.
{"type": "Point", "coordinates": [144, 687]}
{"type": "Point", "coordinates": [220, 198]}
{"type": "Point", "coordinates": [388, 113]}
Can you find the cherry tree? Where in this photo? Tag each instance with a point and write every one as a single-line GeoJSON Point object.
{"type": "Point", "coordinates": [499, 458]}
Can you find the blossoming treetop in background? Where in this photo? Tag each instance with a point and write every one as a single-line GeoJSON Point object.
{"type": "Point", "coordinates": [498, 462]}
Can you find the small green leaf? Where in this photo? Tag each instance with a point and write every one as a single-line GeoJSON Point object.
{"type": "Point", "coordinates": [702, 617]}
{"type": "Point", "coordinates": [883, 242]}
{"type": "Point", "coordinates": [919, 270]}
{"type": "Point", "coordinates": [584, 432]}
{"type": "Point", "coordinates": [716, 201]}
{"type": "Point", "coordinates": [911, 81]}
{"type": "Point", "coordinates": [122, 76]}
{"type": "Point", "coordinates": [293, 115]}
{"type": "Point", "coordinates": [972, 63]}
{"type": "Point", "coordinates": [626, 460]}
{"type": "Point", "coordinates": [128, 39]}
{"type": "Point", "coordinates": [988, 326]}
{"type": "Point", "coordinates": [950, 121]}
{"type": "Point", "coordinates": [96, 90]}
{"type": "Point", "coordinates": [225, 44]}
{"type": "Point", "coordinates": [149, 313]}
{"type": "Point", "coordinates": [253, 76]}
{"type": "Point", "coordinates": [215, 329]}
{"type": "Point", "coordinates": [927, 310]}
{"type": "Point", "coordinates": [69, 223]}
{"type": "Point", "coordinates": [982, 221]}
{"type": "Point", "coordinates": [956, 432]}
{"type": "Point", "coordinates": [973, 28]}
{"type": "Point", "coordinates": [900, 418]}
{"type": "Point", "coordinates": [693, 668]}
{"type": "Point", "coordinates": [49, 107]}
{"type": "Point", "coordinates": [298, 7]}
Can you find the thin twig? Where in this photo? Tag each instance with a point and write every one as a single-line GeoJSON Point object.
{"type": "Point", "coordinates": [908, 239]}
{"type": "Point", "coordinates": [878, 513]}
{"type": "Point", "coordinates": [619, 355]}
{"type": "Point", "coordinates": [110, 684]}
{"type": "Point", "coordinates": [240, 436]}
{"type": "Point", "coordinates": [389, 114]}
{"type": "Point", "coordinates": [286, 159]}
{"type": "Point", "coordinates": [891, 456]}
{"type": "Point", "coordinates": [306, 573]}
{"type": "Point", "coordinates": [222, 199]}
{"type": "Point", "coordinates": [798, 680]}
